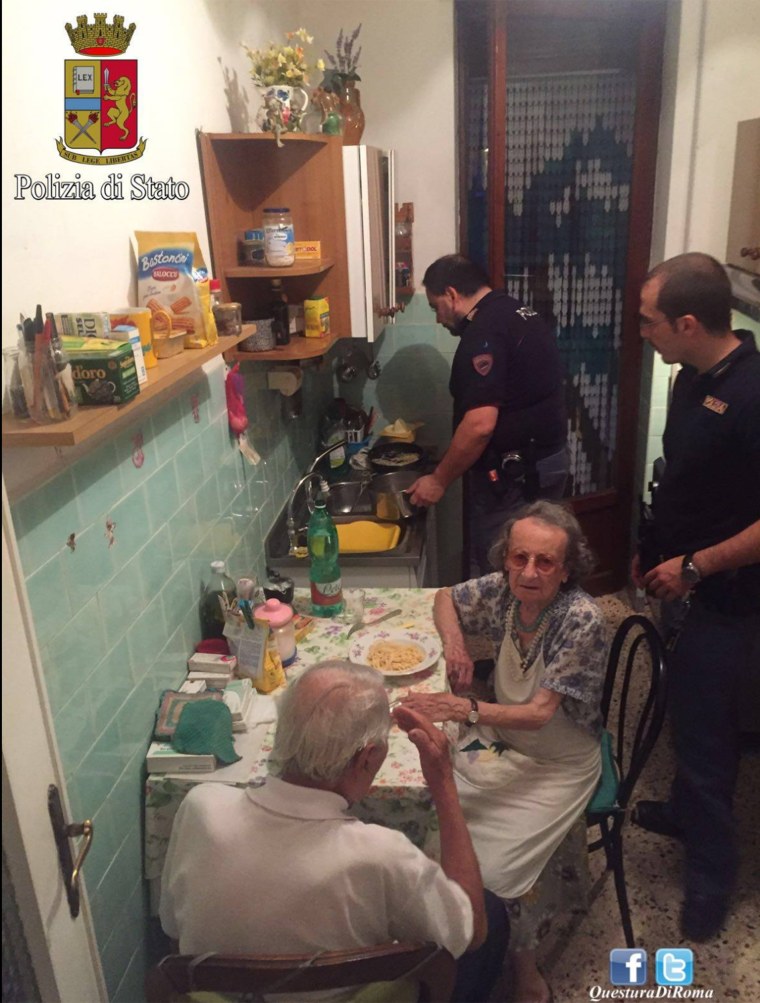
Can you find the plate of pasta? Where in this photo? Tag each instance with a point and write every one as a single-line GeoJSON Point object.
{"type": "Point", "coordinates": [396, 652]}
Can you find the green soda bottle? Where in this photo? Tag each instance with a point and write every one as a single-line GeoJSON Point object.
{"type": "Point", "coordinates": [324, 573]}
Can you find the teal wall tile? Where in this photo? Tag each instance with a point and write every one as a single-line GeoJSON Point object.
{"type": "Point", "coordinates": [168, 432]}
{"type": "Point", "coordinates": [162, 494]}
{"type": "Point", "coordinates": [101, 767]}
{"type": "Point", "coordinates": [156, 562]}
{"type": "Point", "coordinates": [146, 637]}
{"type": "Point", "coordinates": [75, 732]}
{"type": "Point", "coordinates": [97, 478]}
{"type": "Point", "coordinates": [89, 566]}
{"type": "Point", "coordinates": [122, 601]}
{"type": "Point", "coordinates": [132, 524]}
{"type": "Point", "coordinates": [77, 648]}
{"type": "Point", "coordinates": [180, 593]}
{"type": "Point", "coordinates": [109, 685]}
{"type": "Point", "coordinates": [48, 599]}
{"type": "Point", "coordinates": [44, 520]}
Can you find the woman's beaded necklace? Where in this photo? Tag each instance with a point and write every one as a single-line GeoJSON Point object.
{"type": "Point", "coordinates": [539, 625]}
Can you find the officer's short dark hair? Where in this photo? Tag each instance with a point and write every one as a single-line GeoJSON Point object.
{"type": "Point", "coordinates": [697, 284]}
{"type": "Point", "coordinates": [457, 272]}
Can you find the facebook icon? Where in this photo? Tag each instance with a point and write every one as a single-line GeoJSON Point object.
{"type": "Point", "coordinates": [628, 966]}
{"type": "Point", "coordinates": [674, 966]}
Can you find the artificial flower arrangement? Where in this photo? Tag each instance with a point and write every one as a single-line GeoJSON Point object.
{"type": "Point", "coordinates": [283, 65]}
{"type": "Point", "coordinates": [344, 63]}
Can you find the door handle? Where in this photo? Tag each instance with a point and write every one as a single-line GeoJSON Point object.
{"type": "Point", "coordinates": [63, 832]}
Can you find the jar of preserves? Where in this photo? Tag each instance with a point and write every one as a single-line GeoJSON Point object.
{"type": "Point", "coordinates": [279, 240]}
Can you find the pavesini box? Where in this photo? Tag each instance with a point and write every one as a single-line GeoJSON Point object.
{"type": "Point", "coordinates": [163, 758]}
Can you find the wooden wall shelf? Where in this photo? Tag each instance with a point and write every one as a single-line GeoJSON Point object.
{"type": "Point", "coordinates": [298, 348]}
{"type": "Point", "coordinates": [165, 381]}
{"type": "Point", "coordinates": [265, 272]}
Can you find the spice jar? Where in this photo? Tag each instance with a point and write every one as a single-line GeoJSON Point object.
{"type": "Point", "coordinates": [279, 616]}
{"type": "Point", "coordinates": [279, 240]}
{"type": "Point", "coordinates": [251, 248]}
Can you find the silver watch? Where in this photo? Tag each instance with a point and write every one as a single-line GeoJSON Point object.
{"type": "Point", "coordinates": [473, 715]}
{"type": "Point", "coordinates": [690, 573]}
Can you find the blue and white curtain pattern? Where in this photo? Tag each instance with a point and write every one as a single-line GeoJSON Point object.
{"type": "Point", "coordinates": [569, 155]}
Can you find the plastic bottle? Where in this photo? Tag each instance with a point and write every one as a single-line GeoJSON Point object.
{"type": "Point", "coordinates": [278, 309]}
{"type": "Point", "coordinates": [211, 611]}
{"type": "Point", "coordinates": [215, 288]}
{"type": "Point", "coordinates": [324, 573]}
{"type": "Point", "coordinates": [279, 616]}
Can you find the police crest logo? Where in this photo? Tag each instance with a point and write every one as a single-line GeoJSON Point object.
{"type": "Point", "coordinates": [715, 404]}
{"type": "Point", "coordinates": [483, 364]}
{"type": "Point", "coordinates": [100, 95]}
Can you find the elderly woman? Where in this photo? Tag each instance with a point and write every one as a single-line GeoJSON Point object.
{"type": "Point", "coordinates": [527, 763]}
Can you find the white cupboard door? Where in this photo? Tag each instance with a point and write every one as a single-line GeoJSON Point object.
{"type": "Point", "coordinates": [63, 950]}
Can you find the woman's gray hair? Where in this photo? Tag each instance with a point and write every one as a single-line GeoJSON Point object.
{"type": "Point", "coordinates": [579, 560]}
{"type": "Point", "coordinates": [327, 715]}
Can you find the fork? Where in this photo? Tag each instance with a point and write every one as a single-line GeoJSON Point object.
{"type": "Point", "coordinates": [385, 616]}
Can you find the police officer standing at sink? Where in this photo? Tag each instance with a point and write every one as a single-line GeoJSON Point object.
{"type": "Point", "coordinates": [510, 424]}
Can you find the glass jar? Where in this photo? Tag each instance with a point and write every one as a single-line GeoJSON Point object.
{"type": "Point", "coordinates": [279, 239]}
{"type": "Point", "coordinates": [15, 402]}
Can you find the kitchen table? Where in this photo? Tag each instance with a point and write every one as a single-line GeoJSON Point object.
{"type": "Point", "coordinates": [399, 797]}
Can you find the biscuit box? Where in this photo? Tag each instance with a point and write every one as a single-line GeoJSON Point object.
{"type": "Point", "coordinates": [102, 375]}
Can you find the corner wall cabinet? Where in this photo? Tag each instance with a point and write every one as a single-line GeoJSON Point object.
{"type": "Point", "coordinates": [242, 174]}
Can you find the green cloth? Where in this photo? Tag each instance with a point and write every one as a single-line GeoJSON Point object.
{"type": "Point", "coordinates": [605, 796]}
{"type": "Point", "coordinates": [205, 726]}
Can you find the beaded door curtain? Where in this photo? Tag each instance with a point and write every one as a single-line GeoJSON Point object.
{"type": "Point", "coordinates": [569, 147]}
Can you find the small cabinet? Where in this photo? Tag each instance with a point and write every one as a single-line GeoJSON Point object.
{"type": "Point", "coordinates": [369, 201]}
{"type": "Point", "coordinates": [242, 174]}
{"type": "Point", "coordinates": [743, 246]}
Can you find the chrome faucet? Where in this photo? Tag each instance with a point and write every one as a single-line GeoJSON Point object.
{"type": "Point", "coordinates": [308, 478]}
{"type": "Point", "coordinates": [330, 449]}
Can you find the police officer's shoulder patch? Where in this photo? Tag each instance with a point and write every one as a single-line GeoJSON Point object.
{"type": "Point", "coordinates": [483, 364]}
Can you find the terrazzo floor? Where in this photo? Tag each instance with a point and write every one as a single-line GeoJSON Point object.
{"type": "Point", "coordinates": [576, 958]}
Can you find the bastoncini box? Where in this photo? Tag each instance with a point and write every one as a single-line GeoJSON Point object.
{"type": "Point", "coordinates": [104, 372]}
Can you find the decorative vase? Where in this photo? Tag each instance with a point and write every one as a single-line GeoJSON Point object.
{"type": "Point", "coordinates": [283, 108]}
{"type": "Point", "coordinates": [351, 110]}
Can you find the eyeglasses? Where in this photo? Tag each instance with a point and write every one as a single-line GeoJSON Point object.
{"type": "Point", "coordinates": [652, 322]}
{"type": "Point", "coordinates": [544, 565]}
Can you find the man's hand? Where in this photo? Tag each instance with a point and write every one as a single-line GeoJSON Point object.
{"type": "Point", "coordinates": [426, 490]}
{"type": "Point", "coordinates": [665, 581]}
{"type": "Point", "coordinates": [437, 706]}
{"type": "Point", "coordinates": [431, 743]}
{"type": "Point", "coordinates": [459, 666]}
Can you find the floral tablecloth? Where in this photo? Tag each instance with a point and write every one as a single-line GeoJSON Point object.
{"type": "Point", "coordinates": [399, 797]}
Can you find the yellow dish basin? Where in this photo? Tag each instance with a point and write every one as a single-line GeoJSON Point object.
{"type": "Point", "coordinates": [364, 537]}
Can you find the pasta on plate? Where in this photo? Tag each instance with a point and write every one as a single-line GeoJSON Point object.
{"type": "Point", "coordinates": [394, 656]}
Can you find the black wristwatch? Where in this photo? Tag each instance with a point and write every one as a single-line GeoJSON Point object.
{"type": "Point", "coordinates": [690, 573]}
{"type": "Point", "coordinates": [473, 715]}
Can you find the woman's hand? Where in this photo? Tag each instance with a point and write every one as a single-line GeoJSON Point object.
{"type": "Point", "coordinates": [437, 706]}
{"type": "Point", "coordinates": [459, 665]}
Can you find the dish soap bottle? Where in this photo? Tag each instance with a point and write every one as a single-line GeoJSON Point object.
{"type": "Point", "coordinates": [218, 593]}
{"type": "Point", "coordinates": [324, 572]}
{"type": "Point", "coordinates": [278, 308]}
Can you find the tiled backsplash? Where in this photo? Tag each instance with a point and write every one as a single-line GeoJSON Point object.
{"type": "Point", "coordinates": [114, 550]}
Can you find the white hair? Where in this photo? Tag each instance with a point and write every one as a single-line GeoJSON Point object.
{"type": "Point", "coordinates": [327, 715]}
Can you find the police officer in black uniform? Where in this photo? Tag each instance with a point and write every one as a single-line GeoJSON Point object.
{"type": "Point", "coordinates": [510, 425]}
{"type": "Point", "coordinates": [703, 560]}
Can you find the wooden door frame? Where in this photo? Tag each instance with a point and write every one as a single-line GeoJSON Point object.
{"type": "Point", "coordinates": [605, 514]}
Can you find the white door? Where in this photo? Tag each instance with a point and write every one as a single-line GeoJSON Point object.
{"type": "Point", "coordinates": [63, 950]}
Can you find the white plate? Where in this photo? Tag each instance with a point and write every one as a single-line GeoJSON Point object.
{"type": "Point", "coordinates": [428, 643]}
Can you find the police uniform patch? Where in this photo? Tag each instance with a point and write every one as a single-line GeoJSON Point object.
{"type": "Point", "coordinates": [483, 364]}
{"type": "Point", "coordinates": [714, 404]}
{"type": "Point", "coordinates": [525, 312]}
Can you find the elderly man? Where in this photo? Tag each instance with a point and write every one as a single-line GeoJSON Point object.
{"type": "Point", "coordinates": [703, 560]}
{"type": "Point", "coordinates": [283, 868]}
{"type": "Point", "coordinates": [510, 426]}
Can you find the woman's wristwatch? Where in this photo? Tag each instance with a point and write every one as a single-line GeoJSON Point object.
{"type": "Point", "coordinates": [473, 715]}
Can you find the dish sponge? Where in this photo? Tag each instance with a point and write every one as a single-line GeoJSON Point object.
{"type": "Point", "coordinates": [365, 537]}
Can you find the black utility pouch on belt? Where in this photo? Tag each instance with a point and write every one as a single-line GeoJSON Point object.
{"type": "Point", "coordinates": [511, 471]}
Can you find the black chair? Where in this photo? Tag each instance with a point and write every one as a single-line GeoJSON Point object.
{"type": "Point", "coordinates": [637, 652]}
{"type": "Point", "coordinates": [431, 967]}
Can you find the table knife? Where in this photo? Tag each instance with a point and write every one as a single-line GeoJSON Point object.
{"type": "Point", "coordinates": [385, 616]}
